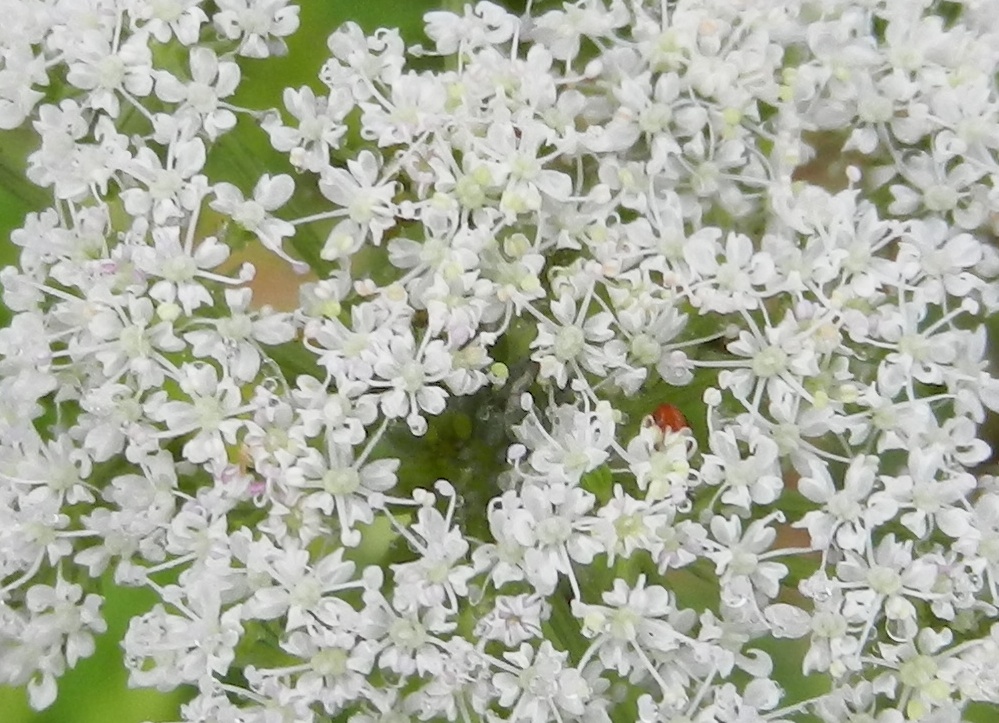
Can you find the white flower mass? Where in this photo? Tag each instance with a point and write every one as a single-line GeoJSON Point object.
{"type": "Point", "coordinates": [437, 488]}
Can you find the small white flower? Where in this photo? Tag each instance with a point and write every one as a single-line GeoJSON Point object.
{"type": "Point", "coordinates": [234, 340]}
{"type": "Point", "coordinates": [849, 514]}
{"type": "Point", "coordinates": [211, 413]}
{"type": "Point", "coordinates": [745, 479]}
{"type": "Point", "coordinates": [106, 71]}
{"type": "Point", "coordinates": [259, 25]}
{"type": "Point", "coordinates": [412, 375]}
{"type": "Point", "coordinates": [211, 81]}
{"type": "Point", "coordinates": [366, 199]}
{"type": "Point", "coordinates": [254, 214]}
{"type": "Point", "coordinates": [321, 127]}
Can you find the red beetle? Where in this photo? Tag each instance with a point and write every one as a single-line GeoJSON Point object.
{"type": "Point", "coordinates": [668, 417]}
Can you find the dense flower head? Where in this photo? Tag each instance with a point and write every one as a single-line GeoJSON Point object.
{"type": "Point", "coordinates": [434, 487]}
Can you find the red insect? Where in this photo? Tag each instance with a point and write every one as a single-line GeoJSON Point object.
{"type": "Point", "coordinates": [668, 417]}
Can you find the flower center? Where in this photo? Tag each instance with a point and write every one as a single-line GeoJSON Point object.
{"type": "Point", "coordinates": [250, 215]}
{"type": "Point", "coordinates": [554, 531]}
{"type": "Point", "coordinates": [844, 507]}
{"type": "Point", "coordinates": [201, 96]}
{"type": "Point", "coordinates": [238, 326]}
{"type": "Point", "coordinates": [413, 377]}
{"type": "Point", "coordinates": [134, 342]}
{"type": "Point", "coordinates": [884, 580]}
{"type": "Point", "coordinates": [179, 268]}
{"type": "Point", "coordinates": [209, 412]}
{"type": "Point", "coordinates": [111, 72]}
{"type": "Point", "coordinates": [918, 671]}
{"type": "Point", "coordinates": [342, 481]}
{"type": "Point", "coordinates": [330, 663]}
{"type": "Point", "coordinates": [628, 526]}
{"type": "Point", "coordinates": [769, 362]}
{"type": "Point", "coordinates": [569, 343]}
{"type": "Point", "coordinates": [408, 634]}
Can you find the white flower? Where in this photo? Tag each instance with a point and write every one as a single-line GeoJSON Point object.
{"type": "Point", "coordinates": [438, 576]}
{"type": "Point", "coordinates": [626, 525]}
{"type": "Point", "coordinates": [358, 61]}
{"type": "Point", "coordinates": [303, 591]}
{"type": "Point", "coordinates": [211, 81]}
{"type": "Point", "coordinates": [131, 339]}
{"type": "Point", "coordinates": [939, 189]}
{"type": "Point", "coordinates": [735, 274]}
{"type": "Point", "coordinates": [192, 646]}
{"type": "Point", "coordinates": [412, 373]}
{"type": "Point", "coordinates": [351, 351]}
{"type": "Point", "coordinates": [562, 30]}
{"type": "Point", "coordinates": [782, 352]}
{"type": "Point", "coordinates": [169, 192]}
{"type": "Point", "coordinates": [366, 199]}
{"type": "Point", "coordinates": [552, 526]}
{"type": "Point", "coordinates": [540, 685]}
{"type": "Point", "coordinates": [61, 633]}
{"type": "Point", "coordinates": [234, 340]}
{"type": "Point", "coordinates": [928, 499]}
{"type": "Point", "coordinates": [321, 127]}
{"type": "Point", "coordinates": [514, 619]}
{"type": "Point", "coordinates": [210, 413]}
{"type": "Point", "coordinates": [575, 341]}
{"type": "Point", "coordinates": [342, 485]}
{"type": "Point", "coordinates": [409, 641]}
{"type": "Point", "coordinates": [894, 578]}
{"type": "Point", "coordinates": [742, 559]}
{"type": "Point", "coordinates": [661, 465]}
{"type": "Point", "coordinates": [22, 70]}
{"type": "Point", "coordinates": [578, 442]}
{"type": "Point", "coordinates": [849, 514]}
{"type": "Point", "coordinates": [415, 106]}
{"type": "Point", "coordinates": [745, 479]}
{"type": "Point", "coordinates": [254, 214]}
{"type": "Point", "coordinates": [339, 663]}
{"type": "Point", "coordinates": [180, 18]}
{"type": "Point", "coordinates": [633, 621]}
{"type": "Point", "coordinates": [183, 272]}
{"type": "Point", "coordinates": [259, 25]}
{"type": "Point", "coordinates": [517, 150]}
{"type": "Point", "coordinates": [483, 24]}
{"type": "Point", "coordinates": [107, 70]}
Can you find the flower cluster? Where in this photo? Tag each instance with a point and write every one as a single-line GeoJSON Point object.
{"type": "Point", "coordinates": [435, 488]}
